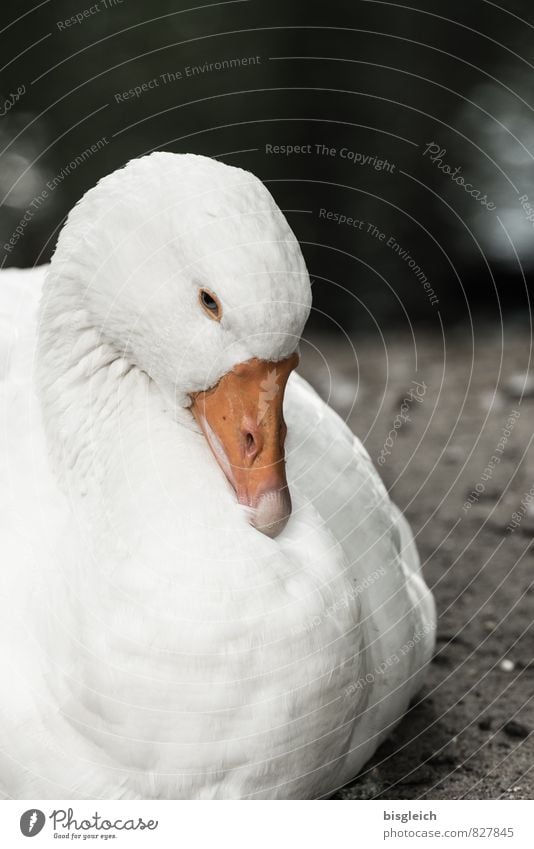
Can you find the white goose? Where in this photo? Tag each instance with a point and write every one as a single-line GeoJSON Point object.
{"type": "Point", "coordinates": [155, 642]}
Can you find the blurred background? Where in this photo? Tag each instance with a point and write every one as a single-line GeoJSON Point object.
{"type": "Point", "coordinates": [398, 138]}
{"type": "Point", "coordinates": [363, 87]}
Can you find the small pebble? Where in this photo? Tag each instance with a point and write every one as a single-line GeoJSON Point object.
{"type": "Point", "coordinates": [519, 385]}
{"type": "Point", "coordinates": [516, 729]}
{"type": "Point", "coordinates": [507, 665]}
{"type": "Point", "coordinates": [485, 723]}
{"type": "Point", "coordinates": [452, 637]}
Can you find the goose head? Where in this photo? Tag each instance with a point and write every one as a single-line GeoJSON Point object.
{"type": "Point", "coordinates": [189, 269]}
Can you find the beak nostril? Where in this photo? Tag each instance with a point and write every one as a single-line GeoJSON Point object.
{"type": "Point", "coordinates": [252, 444]}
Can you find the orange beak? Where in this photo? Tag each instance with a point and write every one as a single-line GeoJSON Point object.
{"type": "Point", "coordinates": [242, 419]}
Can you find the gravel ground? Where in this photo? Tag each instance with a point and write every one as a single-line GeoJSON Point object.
{"type": "Point", "coordinates": [460, 468]}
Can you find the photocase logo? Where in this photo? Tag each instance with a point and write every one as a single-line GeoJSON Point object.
{"type": "Point", "coordinates": [32, 822]}
{"type": "Point", "coordinates": [269, 390]}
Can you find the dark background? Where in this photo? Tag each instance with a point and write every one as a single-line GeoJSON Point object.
{"type": "Point", "coordinates": [381, 79]}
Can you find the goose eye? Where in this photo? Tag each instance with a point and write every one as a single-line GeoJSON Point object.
{"type": "Point", "coordinates": [210, 304]}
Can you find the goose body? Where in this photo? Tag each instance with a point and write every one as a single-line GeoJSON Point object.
{"type": "Point", "coordinates": [156, 642]}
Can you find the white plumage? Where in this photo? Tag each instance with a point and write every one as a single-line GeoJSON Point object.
{"type": "Point", "coordinates": [153, 643]}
